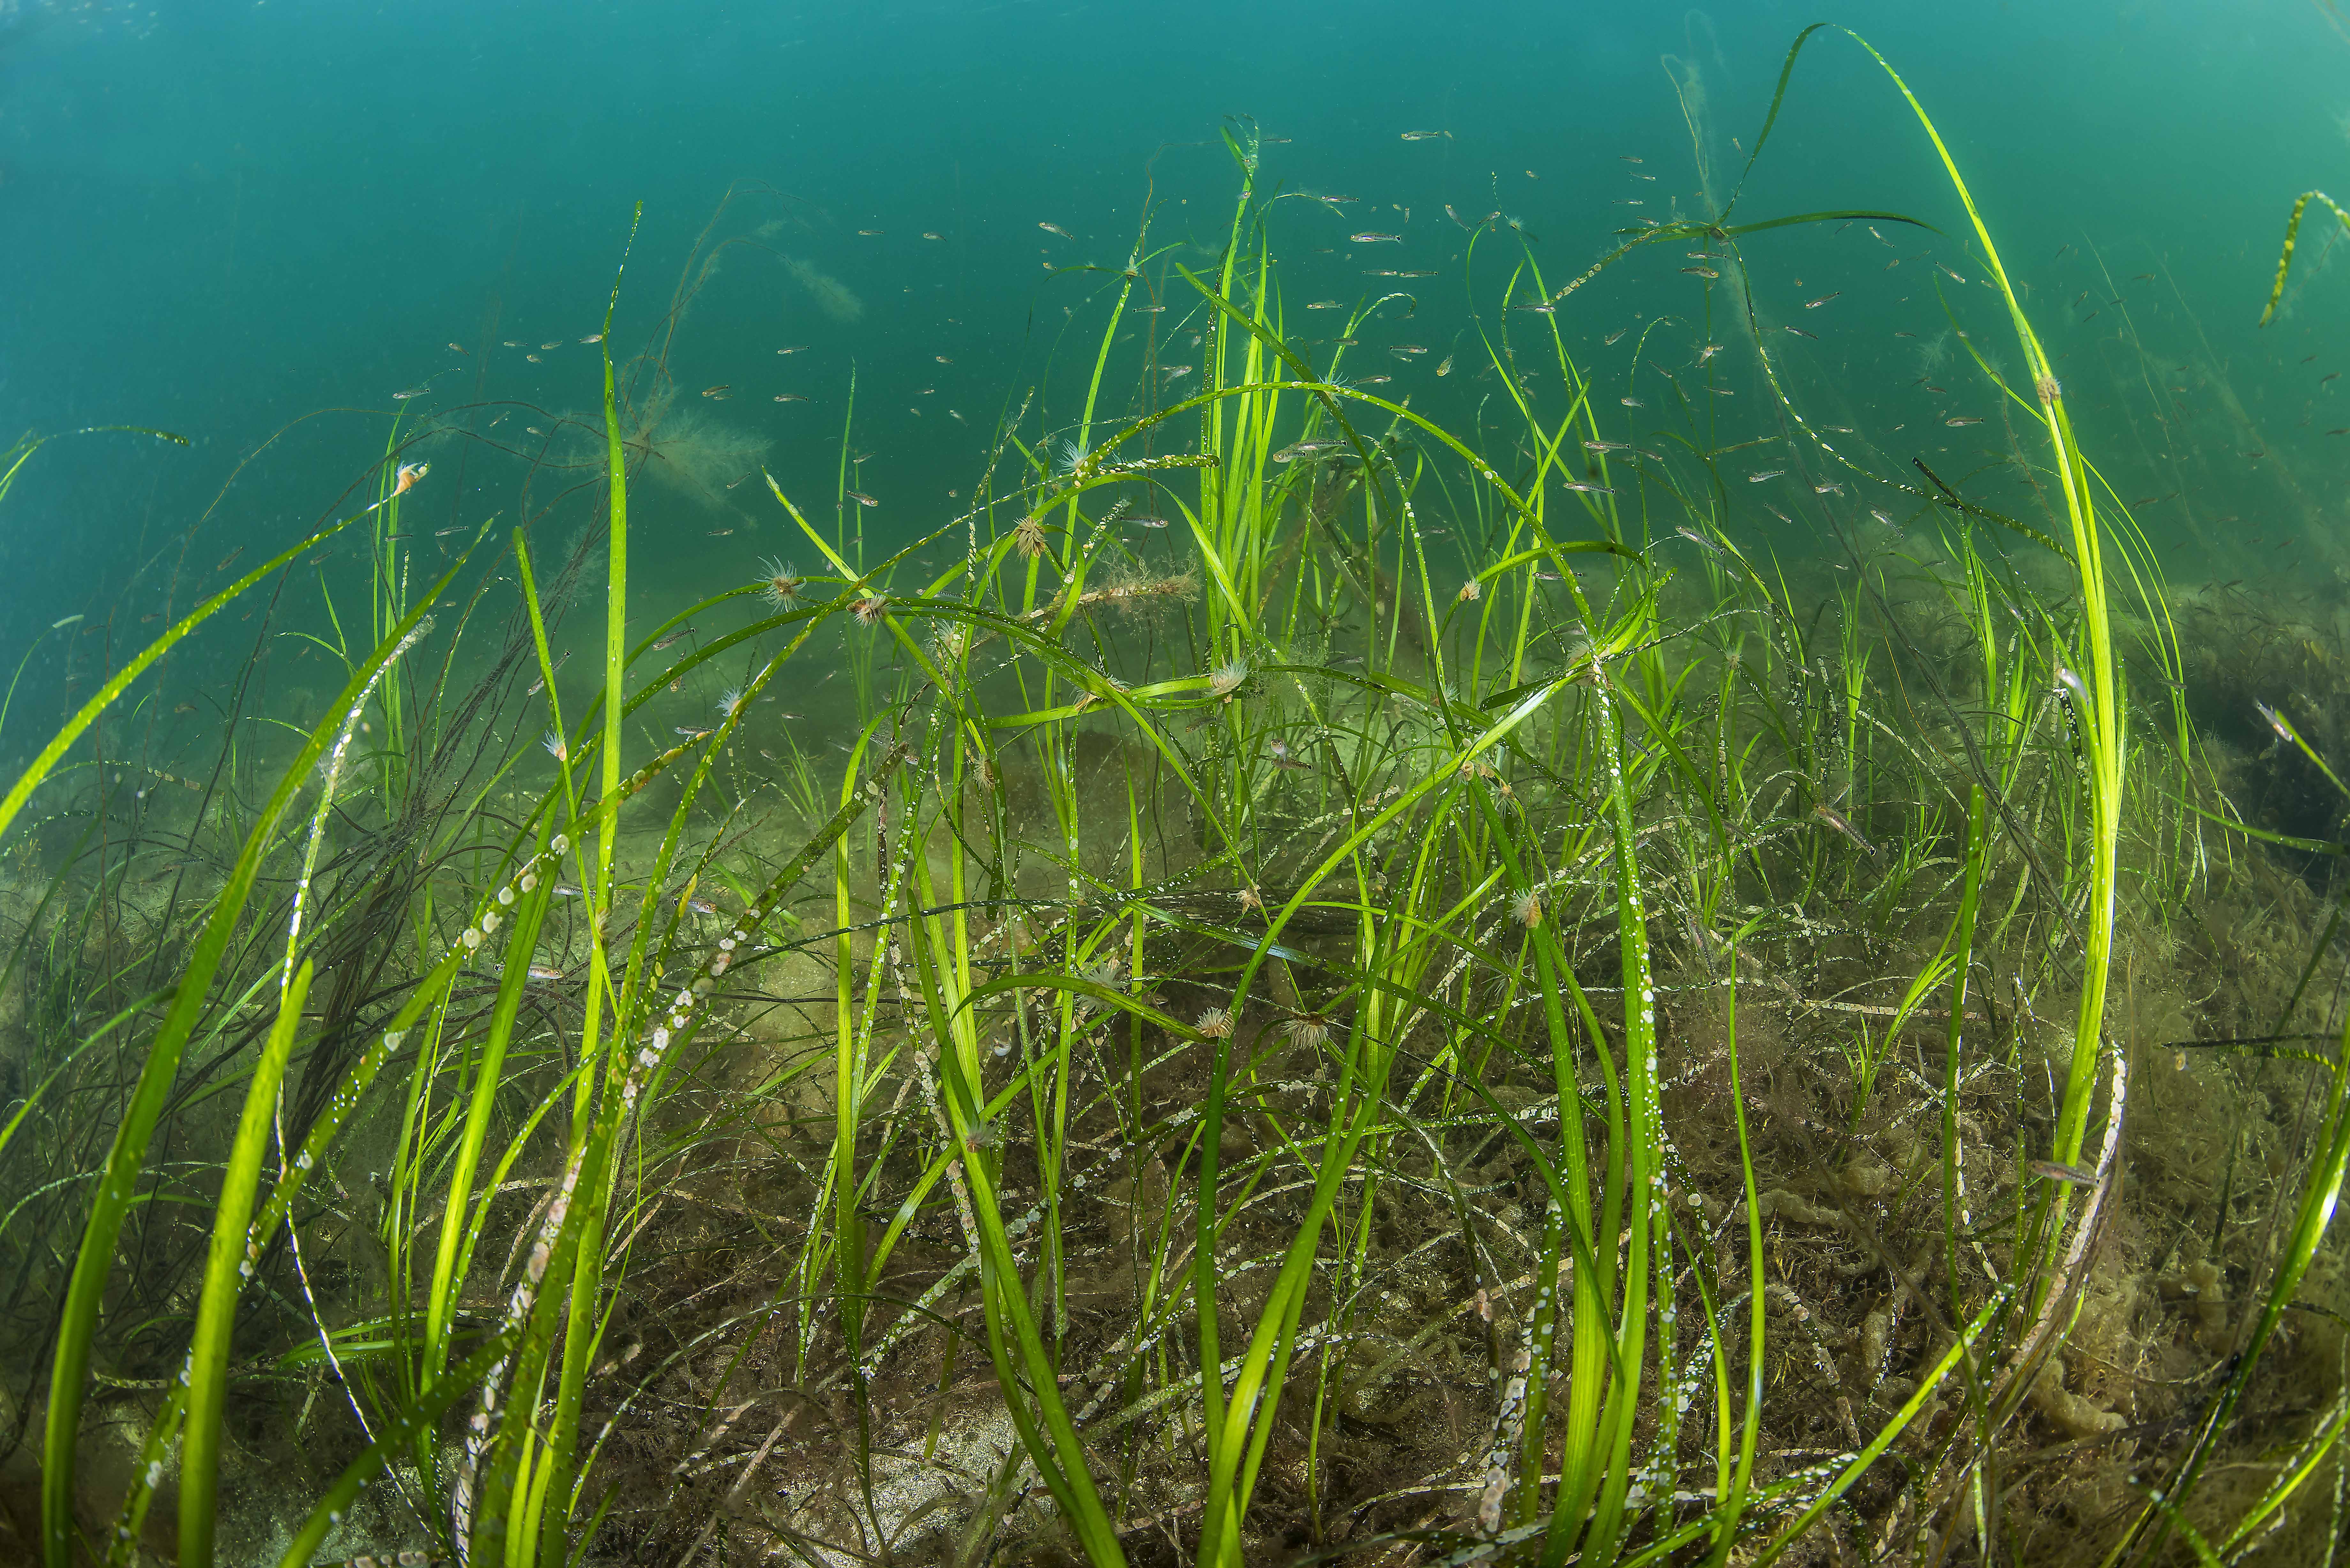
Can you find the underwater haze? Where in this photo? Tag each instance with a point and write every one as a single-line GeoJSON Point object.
{"type": "Point", "coordinates": [225, 219]}
{"type": "Point", "coordinates": [1226, 784]}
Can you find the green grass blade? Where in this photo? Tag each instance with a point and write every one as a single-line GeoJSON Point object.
{"type": "Point", "coordinates": [226, 1268]}
{"type": "Point", "coordinates": [40, 766]}
{"type": "Point", "coordinates": [77, 1324]}
{"type": "Point", "coordinates": [2292, 238]}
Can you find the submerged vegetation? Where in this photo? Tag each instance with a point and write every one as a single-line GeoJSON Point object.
{"type": "Point", "coordinates": [1316, 987]}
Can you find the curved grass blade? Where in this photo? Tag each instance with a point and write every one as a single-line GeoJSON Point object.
{"type": "Point", "coordinates": [18, 456]}
{"type": "Point", "coordinates": [396, 1436]}
{"type": "Point", "coordinates": [39, 767]}
{"type": "Point", "coordinates": [226, 1268]}
{"type": "Point", "coordinates": [2292, 238]}
{"type": "Point", "coordinates": [1959, 1349]}
{"type": "Point", "coordinates": [77, 1324]}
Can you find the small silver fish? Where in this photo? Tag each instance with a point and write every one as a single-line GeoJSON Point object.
{"type": "Point", "coordinates": [539, 685]}
{"type": "Point", "coordinates": [1579, 486]}
{"type": "Point", "coordinates": [1847, 828]}
{"type": "Point", "coordinates": [862, 499]}
{"type": "Point", "coordinates": [2078, 1176]}
{"type": "Point", "coordinates": [1760, 477]}
{"type": "Point", "coordinates": [1815, 303]}
{"type": "Point", "coordinates": [1056, 229]}
{"type": "Point", "coordinates": [1372, 237]}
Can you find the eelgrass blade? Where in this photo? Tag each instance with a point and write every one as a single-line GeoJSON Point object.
{"type": "Point", "coordinates": [2305, 1464]}
{"type": "Point", "coordinates": [398, 1434]}
{"type": "Point", "coordinates": [16, 456]}
{"type": "Point", "coordinates": [1963, 941]}
{"type": "Point", "coordinates": [40, 766]}
{"type": "Point", "coordinates": [1642, 1154]}
{"type": "Point", "coordinates": [1058, 1453]}
{"type": "Point", "coordinates": [2165, 1505]}
{"type": "Point", "coordinates": [77, 1324]}
{"type": "Point", "coordinates": [1732, 1489]}
{"type": "Point", "coordinates": [1928, 1383]}
{"type": "Point", "coordinates": [24, 1108]}
{"type": "Point", "coordinates": [2320, 1196]}
{"type": "Point", "coordinates": [226, 1268]}
{"type": "Point", "coordinates": [2102, 717]}
{"type": "Point", "coordinates": [2292, 238]}
{"type": "Point", "coordinates": [506, 1475]}
{"type": "Point", "coordinates": [563, 1429]}
{"type": "Point", "coordinates": [460, 1230]}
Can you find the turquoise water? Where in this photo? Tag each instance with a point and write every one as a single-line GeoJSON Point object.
{"type": "Point", "coordinates": [878, 255]}
{"type": "Point", "coordinates": [256, 225]}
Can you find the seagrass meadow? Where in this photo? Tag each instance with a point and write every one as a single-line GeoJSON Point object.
{"type": "Point", "coordinates": [1567, 942]}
